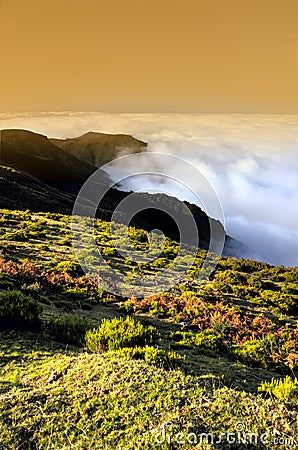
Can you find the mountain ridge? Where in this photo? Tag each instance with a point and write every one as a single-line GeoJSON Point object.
{"type": "Point", "coordinates": [35, 155]}
{"type": "Point", "coordinates": [44, 177]}
{"type": "Point", "coordinates": [97, 148]}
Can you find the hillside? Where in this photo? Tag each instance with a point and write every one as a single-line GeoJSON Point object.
{"type": "Point", "coordinates": [22, 191]}
{"type": "Point", "coordinates": [210, 349]}
{"type": "Point", "coordinates": [43, 177]}
{"type": "Point", "coordinates": [100, 148]}
{"type": "Point", "coordinates": [35, 155]}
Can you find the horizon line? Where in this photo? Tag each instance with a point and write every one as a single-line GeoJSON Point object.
{"type": "Point", "coordinates": [3, 113]}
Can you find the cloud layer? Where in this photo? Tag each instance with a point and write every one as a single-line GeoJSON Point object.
{"type": "Point", "coordinates": [250, 160]}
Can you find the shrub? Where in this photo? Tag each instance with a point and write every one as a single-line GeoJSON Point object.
{"type": "Point", "coordinates": [68, 329]}
{"type": "Point", "coordinates": [156, 309]}
{"type": "Point", "coordinates": [284, 389]}
{"type": "Point", "coordinates": [5, 283]}
{"type": "Point", "coordinates": [63, 304]}
{"type": "Point", "coordinates": [138, 236]}
{"type": "Point", "coordinates": [118, 333]}
{"type": "Point", "coordinates": [153, 355]}
{"type": "Point", "coordinates": [127, 307]}
{"type": "Point", "coordinates": [206, 342]}
{"type": "Point", "coordinates": [170, 252]}
{"type": "Point", "coordinates": [31, 287]}
{"type": "Point", "coordinates": [283, 302]}
{"type": "Point", "coordinates": [101, 292]}
{"type": "Point", "coordinates": [86, 305]}
{"type": "Point", "coordinates": [70, 267]}
{"type": "Point", "coordinates": [109, 251]}
{"type": "Point", "coordinates": [19, 311]}
{"type": "Point", "coordinates": [160, 262]}
{"type": "Point", "coordinates": [75, 294]}
{"type": "Point", "coordinates": [258, 352]}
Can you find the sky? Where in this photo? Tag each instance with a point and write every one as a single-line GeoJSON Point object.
{"type": "Point", "coordinates": [250, 160]}
{"type": "Point", "coordinates": [149, 56]}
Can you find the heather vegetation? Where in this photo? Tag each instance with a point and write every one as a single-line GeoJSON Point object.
{"type": "Point", "coordinates": [81, 368]}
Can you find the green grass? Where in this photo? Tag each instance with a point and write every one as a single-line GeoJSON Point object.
{"type": "Point", "coordinates": [65, 399]}
{"type": "Point", "coordinates": [241, 334]}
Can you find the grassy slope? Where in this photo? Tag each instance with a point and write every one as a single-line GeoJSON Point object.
{"type": "Point", "coordinates": [54, 396]}
{"type": "Point", "coordinates": [103, 401]}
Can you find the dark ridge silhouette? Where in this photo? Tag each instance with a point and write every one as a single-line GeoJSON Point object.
{"type": "Point", "coordinates": [19, 190]}
{"type": "Point", "coordinates": [35, 155]}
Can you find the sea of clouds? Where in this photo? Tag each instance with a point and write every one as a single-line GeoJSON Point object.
{"type": "Point", "coordinates": [250, 160]}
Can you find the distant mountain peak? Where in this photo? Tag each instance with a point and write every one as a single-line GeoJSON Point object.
{"type": "Point", "coordinates": [98, 148]}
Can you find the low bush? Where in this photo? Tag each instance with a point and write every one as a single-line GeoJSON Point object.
{"type": "Point", "coordinates": [86, 305]}
{"type": "Point", "coordinates": [287, 303]}
{"type": "Point", "coordinates": [160, 262]}
{"type": "Point", "coordinates": [19, 311]}
{"type": "Point", "coordinates": [137, 236]}
{"type": "Point", "coordinates": [153, 355]}
{"type": "Point", "coordinates": [207, 342]}
{"type": "Point", "coordinates": [68, 329]}
{"type": "Point", "coordinates": [63, 304]}
{"type": "Point", "coordinates": [5, 283]}
{"type": "Point", "coordinates": [258, 352]}
{"type": "Point", "coordinates": [71, 267]}
{"type": "Point", "coordinates": [75, 294]}
{"type": "Point", "coordinates": [127, 307]}
{"type": "Point", "coordinates": [109, 251]}
{"type": "Point", "coordinates": [118, 333]}
{"type": "Point", "coordinates": [284, 388]}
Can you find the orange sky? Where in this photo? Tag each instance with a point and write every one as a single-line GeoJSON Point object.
{"type": "Point", "coordinates": [149, 55]}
